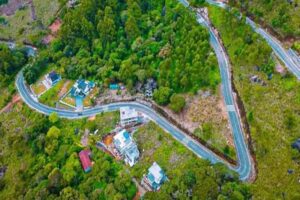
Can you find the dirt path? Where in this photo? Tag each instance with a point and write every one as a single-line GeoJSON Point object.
{"type": "Point", "coordinates": [54, 28]}
{"type": "Point", "coordinates": [7, 108]}
{"type": "Point", "coordinates": [32, 8]}
{"type": "Point", "coordinates": [85, 138]}
{"type": "Point", "coordinates": [141, 191]}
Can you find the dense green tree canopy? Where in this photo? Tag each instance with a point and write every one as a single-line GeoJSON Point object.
{"type": "Point", "coordinates": [11, 61]}
{"type": "Point", "coordinates": [130, 41]}
{"type": "Point", "coordinates": [177, 102]}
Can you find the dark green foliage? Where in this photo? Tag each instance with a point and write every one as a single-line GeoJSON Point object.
{"type": "Point", "coordinates": [33, 71]}
{"type": "Point", "coordinates": [2, 20]}
{"type": "Point", "coordinates": [268, 67]}
{"type": "Point", "coordinates": [2, 2]}
{"type": "Point", "coordinates": [11, 61]}
{"type": "Point", "coordinates": [197, 3]}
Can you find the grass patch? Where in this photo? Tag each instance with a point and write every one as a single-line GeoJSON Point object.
{"type": "Point", "coordinates": [210, 134]}
{"type": "Point", "coordinates": [21, 27]}
{"type": "Point", "coordinates": [46, 10]}
{"type": "Point", "coordinates": [89, 99]}
{"type": "Point", "coordinates": [51, 96]}
{"type": "Point", "coordinates": [38, 88]}
{"type": "Point", "coordinates": [157, 145]}
{"type": "Point", "coordinates": [5, 97]}
{"type": "Point", "coordinates": [69, 100]}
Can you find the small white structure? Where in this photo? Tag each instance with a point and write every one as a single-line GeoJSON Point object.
{"type": "Point", "coordinates": [126, 146]}
{"type": "Point", "coordinates": [128, 116]}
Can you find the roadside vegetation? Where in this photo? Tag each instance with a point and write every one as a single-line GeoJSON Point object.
{"type": "Point", "coordinates": [272, 108]}
{"type": "Point", "coordinates": [282, 16]}
{"type": "Point", "coordinates": [41, 156]}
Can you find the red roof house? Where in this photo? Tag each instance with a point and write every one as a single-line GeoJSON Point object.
{"type": "Point", "coordinates": [86, 163]}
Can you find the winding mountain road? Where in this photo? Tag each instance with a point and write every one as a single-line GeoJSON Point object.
{"type": "Point", "coordinates": [245, 165]}
{"type": "Point", "coordinates": [277, 47]}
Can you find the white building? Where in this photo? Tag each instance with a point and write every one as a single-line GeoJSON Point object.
{"type": "Point", "coordinates": [128, 116]}
{"type": "Point", "coordinates": [126, 146]}
{"type": "Point", "coordinates": [155, 178]}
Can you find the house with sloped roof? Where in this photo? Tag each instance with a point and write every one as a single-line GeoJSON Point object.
{"type": "Point", "coordinates": [82, 88]}
{"type": "Point", "coordinates": [126, 147]}
{"type": "Point", "coordinates": [155, 178]}
{"type": "Point", "coordinates": [85, 160]}
{"type": "Point", "coordinates": [52, 78]}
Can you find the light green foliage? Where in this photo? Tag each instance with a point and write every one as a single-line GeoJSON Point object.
{"type": "Point", "coordinates": [296, 46]}
{"type": "Point", "coordinates": [69, 193]}
{"type": "Point", "coordinates": [162, 95]}
{"type": "Point", "coordinates": [53, 133]}
{"type": "Point", "coordinates": [53, 117]}
{"type": "Point", "coordinates": [52, 141]}
{"type": "Point", "coordinates": [177, 102]}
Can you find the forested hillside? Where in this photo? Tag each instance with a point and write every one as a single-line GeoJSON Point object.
{"type": "Point", "coordinates": [282, 15]}
{"type": "Point", "coordinates": [40, 158]}
{"type": "Point", "coordinates": [130, 41]}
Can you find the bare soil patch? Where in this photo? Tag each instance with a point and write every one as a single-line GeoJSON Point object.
{"type": "Point", "coordinates": [8, 107]}
{"type": "Point", "coordinates": [205, 108]}
{"type": "Point", "coordinates": [64, 89]}
{"type": "Point", "coordinates": [54, 28]}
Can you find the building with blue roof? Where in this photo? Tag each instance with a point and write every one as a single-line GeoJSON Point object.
{"type": "Point", "coordinates": [155, 178]}
{"type": "Point", "coordinates": [53, 78]}
{"type": "Point", "coordinates": [82, 88]}
{"type": "Point", "coordinates": [126, 147]}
